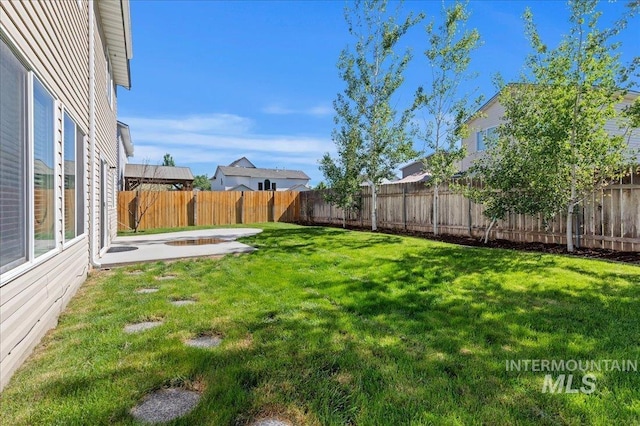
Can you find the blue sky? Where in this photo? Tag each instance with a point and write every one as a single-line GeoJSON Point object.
{"type": "Point", "coordinates": [213, 81]}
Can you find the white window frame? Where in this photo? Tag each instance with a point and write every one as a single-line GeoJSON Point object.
{"type": "Point", "coordinates": [109, 79]}
{"type": "Point", "coordinates": [79, 186]}
{"type": "Point", "coordinates": [57, 245]}
{"type": "Point", "coordinates": [58, 182]}
{"type": "Point", "coordinates": [483, 133]}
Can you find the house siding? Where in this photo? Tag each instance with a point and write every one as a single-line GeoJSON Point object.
{"type": "Point", "coordinates": [106, 140]}
{"type": "Point", "coordinates": [492, 116]}
{"type": "Point", "coordinates": [52, 37]}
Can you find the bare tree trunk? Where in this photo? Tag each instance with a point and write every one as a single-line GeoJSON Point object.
{"type": "Point", "coordinates": [488, 230]}
{"type": "Point", "coordinates": [435, 209]}
{"type": "Point", "coordinates": [570, 212]}
{"type": "Point", "coordinates": [344, 218]}
{"type": "Point", "coordinates": [374, 208]}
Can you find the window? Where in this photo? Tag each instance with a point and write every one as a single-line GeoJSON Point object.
{"type": "Point", "coordinates": [273, 186]}
{"type": "Point", "coordinates": [43, 170]}
{"type": "Point", "coordinates": [79, 182]}
{"type": "Point", "coordinates": [73, 199]}
{"type": "Point", "coordinates": [480, 141]}
{"type": "Point", "coordinates": [30, 158]}
{"type": "Point", "coordinates": [109, 81]}
{"type": "Point", "coordinates": [13, 160]}
{"type": "Point", "coordinates": [267, 184]}
{"type": "Point", "coordinates": [486, 136]}
{"type": "Point", "coordinates": [259, 186]}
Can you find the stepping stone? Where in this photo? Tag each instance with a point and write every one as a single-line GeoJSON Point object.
{"type": "Point", "coordinates": [182, 302]}
{"type": "Point", "coordinates": [270, 422]}
{"type": "Point", "coordinates": [204, 342]}
{"type": "Point", "coordinates": [165, 405]}
{"type": "Point", "coordinates": [166, 277]}
{"type": "Point", "coordinates": [147, 290]}
{"type": "Point", "coordinates": [134, 273]}
{"type": "Point", "coordinates": [141, 326]}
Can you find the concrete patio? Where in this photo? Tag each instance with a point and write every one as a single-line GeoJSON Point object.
{"type": "Point", "coordinates": [176, 245]}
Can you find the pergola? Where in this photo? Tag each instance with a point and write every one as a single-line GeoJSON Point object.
{"type": "Point", "coordinates": [144, 176]}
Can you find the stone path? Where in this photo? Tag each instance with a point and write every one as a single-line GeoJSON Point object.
{"type": "Point", "coordinates": [182, 302]}
{"type": "Point", "coordinates": [141, 326]}
{"type": "Point", "coordinates": [165, 405]}
{"type": "Point", "coordinates": [204, 342]}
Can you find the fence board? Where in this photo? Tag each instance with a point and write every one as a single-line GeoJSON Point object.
{"type": "Point", "coordinates": [608, 219]}
{"type": "Point", "coordinates": [169, 209]}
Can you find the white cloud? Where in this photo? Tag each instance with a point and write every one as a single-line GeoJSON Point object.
{"type": "Point", "coordinates": [315, 111]}
{"type": "Point", "coordinates": [212, 123]}
{"type": "Point", "coordinates": [219, 139]}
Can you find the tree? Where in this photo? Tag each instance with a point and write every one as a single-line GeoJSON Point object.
{"type": "Point", "coordinates": [343, 174]}
{"type": "Point", "coordinates": [552, 149]}
{"type": "Point", "coordinates": [145, 195]}
{"type": "Point", "coordinates": [202, 183]}
{"type": "Point", "coordinates": [168, 160]}
{"type": "Point", "coordinates": [373, 72]}
{"type": "Point", "coordinates": [449, 55]}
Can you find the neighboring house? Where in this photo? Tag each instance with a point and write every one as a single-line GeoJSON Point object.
{"type": "Point", "coordinates": [59, 65]}
{"type": "Point", "coordinates": [242, 175]}
{"type": "Point", "coordinates": [157, 178]}
{"type": "Point", "coordinates": [125, 150]}
{"type": "Point", "coordinates": [490, 116]}
{"type": "Point", "coordinates": [414, 172]}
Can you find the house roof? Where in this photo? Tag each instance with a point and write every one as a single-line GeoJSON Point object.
{"type": "Point", "coordinates": [115, 20]}
{"type": "Point", "coordinates": [416, 177]}
{"type": "Point", "coordinates": [255, 172]}
{"type": "Point", "coordinates": [299, 188]}
{"type": "Point", "coordinates": [125, 134]}
{"type": "Point", "coordinates": [146, 171]}
{"type": "Point", "coordinates": [239, 160]}
{"type": "Point", "coordinates": [241, 187]}
{"type": "Point", "coordinates": [632, 94]}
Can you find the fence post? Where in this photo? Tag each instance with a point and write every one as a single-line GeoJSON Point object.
{"type": "Point", "coordinates": [195, 208]}
{"type": "Point", "coordinates": [242, 207]}
{"type": "Point", "coordinates": [404, 207]}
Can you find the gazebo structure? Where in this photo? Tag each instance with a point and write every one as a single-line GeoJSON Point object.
{"type": "Point", "coordinates": [157, 178]}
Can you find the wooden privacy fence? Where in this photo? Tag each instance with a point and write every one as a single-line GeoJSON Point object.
{"type": "Point", "coordinates": [610, 218]}
{"type": "Point", "coordinates": [171, 209]}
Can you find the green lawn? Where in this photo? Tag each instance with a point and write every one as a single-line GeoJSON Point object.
{"type": "Point", "coordinates": [325, 326]}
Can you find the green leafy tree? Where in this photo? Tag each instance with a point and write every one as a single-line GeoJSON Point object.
{"type": "Point", "coordinates": [202, 183]}
{"type": "Point", "coordinates": [552, 149]}
{"type": "Point", "coordinates": [343, 174]}
{"type": "Point", "coordinates": [373, 72]}
{"type": "Point", "coordinates": [168, 160]}
{"type": "Point", "coordinates": [447, 110]}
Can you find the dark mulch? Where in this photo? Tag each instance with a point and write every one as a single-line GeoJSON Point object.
{"type": "Point", "coordinates": [616, 256]}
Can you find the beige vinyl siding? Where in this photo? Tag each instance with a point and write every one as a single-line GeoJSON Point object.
{"type": "Point", "coordinates": [52, 38]}
{"type": "Point", "coordinates": [613, 127]}
{"type": "Point", "coordinates": [492, 116]}
{"type": "Point", "coordinates": [106, 136]}
{"type": "Point", "coordinates": [31, 304]}
{"type": "Point", "coordinates": [59, 56]}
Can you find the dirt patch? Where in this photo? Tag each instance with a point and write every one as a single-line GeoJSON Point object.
{"type": "Point", "coordinates": [166, 277]}
{"type": "Point", "coordinates": [594, 253]}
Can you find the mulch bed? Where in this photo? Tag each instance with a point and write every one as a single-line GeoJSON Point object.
{"type": "Point", "coordinates": [616, 256]}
